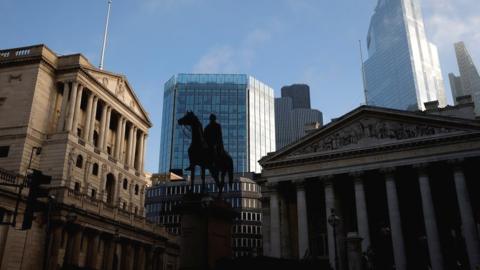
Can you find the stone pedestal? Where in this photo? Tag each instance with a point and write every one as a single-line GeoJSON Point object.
{"type": "Point", "coordinates": [206, 232]}
{"type": "Point", "coordinates": [354, 251]}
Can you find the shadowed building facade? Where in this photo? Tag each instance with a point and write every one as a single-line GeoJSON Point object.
{"type": "Point", "coordinates": [92, 130]}
{"type": "Point", "coordinates": [405, 182]}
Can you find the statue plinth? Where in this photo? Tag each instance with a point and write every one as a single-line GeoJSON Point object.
{"type": "Point", "coordinates": [206, 231]}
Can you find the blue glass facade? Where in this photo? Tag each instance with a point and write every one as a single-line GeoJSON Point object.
{"type": "Point", "coordinates": [403, 69]}
{"type": "Point", "coordinates": [244, 108]}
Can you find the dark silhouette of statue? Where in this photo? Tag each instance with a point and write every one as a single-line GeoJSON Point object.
{"type": "Point", "coordinates": [206, 150]}
{"type": "Point", "coordinates": [213, 137]}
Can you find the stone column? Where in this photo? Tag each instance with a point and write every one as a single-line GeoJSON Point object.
{"type": "Point", "coordinates": [117, 137]}
{"type": "Point", "coordinates": [122, 140]}
{"type": "Point", "coordinates": [106, 129]}
{"type": "Point", "coordinates": [64, 108]}
{"type": "Point", "coordinates": [110, 248]}
{"type": "Point", "coordinates": [103, 120]}
{"type": "Point", "coordinates": [468, 222]}
{"type": "Point", "coordinates": [330, 204]}
{"type": "Point", "coordinates": [76, 114]}
{"type": "Point", "coordinates": [129, 147]}
{"type": "Point", "coordinates": [140, 152]}
{"type": "Point", "coordinates": [71, 106]}
{"type": "Point", "coordinates": [431, 229]}
{"type": "Point", "coordinates": [55, 245]}
{"type": "Point", "coordinates": [77, 247]}
{"type": "Point", "coordinates": [395, 222]}
{"type": "Point", "coordinates": [362, 214]}
{"type": "Point", "coordinates": [302, 219]}
{"type": "Point", "coordinates": [142, 164]}
{"type": "Point", "coordinates": [116, 196]}
{"type": "Point", "coordinates": [86, 132]}
{"type": "Point", "coordinates": [3, 236]}
{"type": "Point", "coordinates": [141, 257]}
{"type": "Point", "coordinates": [92, 120]}
{"type": "Point", "coordinates": [134, 147]}
{"type": "Point", "coordinates": [275, 250]}
{"type": "Point", "coordinates": [93, 252]}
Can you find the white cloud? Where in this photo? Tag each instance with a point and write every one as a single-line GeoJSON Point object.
{"type": "Point", "coordinates": [450, 21]}
{"type": "Point", "coordinates": [218, 59]}
{"type": "Point", "coordinates": [230, 59]}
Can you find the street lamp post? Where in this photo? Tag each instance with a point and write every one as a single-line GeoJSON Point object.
{"type": "Point", "coordinates": [333, 220]}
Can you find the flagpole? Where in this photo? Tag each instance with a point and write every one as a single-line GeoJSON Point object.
{"type": "Point", "coordinates": [363, 73]}
{"type": "Point", "coordinates": [102, 56]}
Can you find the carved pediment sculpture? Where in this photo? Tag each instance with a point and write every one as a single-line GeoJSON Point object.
{"type": "Point", "coordinates": [371, 131]}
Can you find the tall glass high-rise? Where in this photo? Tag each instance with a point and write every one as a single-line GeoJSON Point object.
{"type": "Point", "coordinates": [403, 69]}
{"type": "Point", "coordinates": [244, 108]}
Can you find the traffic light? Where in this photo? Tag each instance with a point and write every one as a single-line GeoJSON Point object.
{"type": "Point", "coordinates": [35, 180]}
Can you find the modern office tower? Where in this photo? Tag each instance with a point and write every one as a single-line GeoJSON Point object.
{"type": "Point", "coordinates": [244, 108]}
{"type": "Point", "coordinates": [164, 198]}
{"type": "Point", "coordinates": [293, 114]}
{"type": "Point", "coordinates": [403, 69]}
{"type": "Point", "coordinates": [300, 94]}
{"type": "Point", "coordinates": [468, 83]}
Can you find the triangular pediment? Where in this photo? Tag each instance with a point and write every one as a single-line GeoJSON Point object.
{"type": "Point", "coordinates": [118, 86]}
{"type": "Point", "coordinates": [370, 127]}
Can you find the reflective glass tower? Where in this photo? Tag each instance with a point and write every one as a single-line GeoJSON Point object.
{"type": "Point", "coordinates": [403, 69]}
{"type": "Point", "coordinates": [468, 83]}
{"type": "Point", "coordinates": [244, 108]}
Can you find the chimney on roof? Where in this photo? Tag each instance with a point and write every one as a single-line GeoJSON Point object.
{"type": "Point", "coordinates": [431, 105]}
{"type": "Point", "coordinates": [464, 99]}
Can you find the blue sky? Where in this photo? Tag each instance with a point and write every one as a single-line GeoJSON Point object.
{"type": "Point", "coordinates": [279, 42]}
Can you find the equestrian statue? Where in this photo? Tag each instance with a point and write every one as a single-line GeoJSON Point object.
{"type": "Point", "coordinates": [206, 151]}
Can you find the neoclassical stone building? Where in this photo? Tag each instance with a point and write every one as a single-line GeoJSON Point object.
{"type": "Point", "coordinates": [92, 132]}
{"type": "Point", "coordinates": [406, 182]}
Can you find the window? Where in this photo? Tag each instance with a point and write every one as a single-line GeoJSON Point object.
{"type": "Point", "coordinates": [94, 193]}
{"type": "Point", "coordinates": [136, 189]}
{"type": "Point", "coordinates": [76, 187]}
{"type": "Point", "coordinates": [2, 100]}
{"type": "Point", "coordinates": [95, 169]}
{"type": "Point", "coordinates": [125, 183]}
{"type": "Point", "coordinates": [79, 162]}
{"type": "Point", "coordinates": [79, 132]}
{"type": "Point", "coordinates": [4, 151]}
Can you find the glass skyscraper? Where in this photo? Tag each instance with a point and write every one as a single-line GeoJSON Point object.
{"type": "Point", "coordinates": [244, 108]}
{"type": "Point", "coordinates": [403, 68]}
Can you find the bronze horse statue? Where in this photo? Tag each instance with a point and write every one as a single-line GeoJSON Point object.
{"type": "Point", "coordinates": [200, 155]}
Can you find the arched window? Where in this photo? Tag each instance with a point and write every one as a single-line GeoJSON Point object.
{"type": "Point", "coordinates": [95, 169]}
{"type": "Point", "coordinates": [125, 183]}
{"type": "Point", "coordinates": [136, 189]}
{"type": "Point", "coordinates": [79, 162]}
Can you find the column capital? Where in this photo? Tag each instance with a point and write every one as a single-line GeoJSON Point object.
{"type": "Point", "coordinates": [456, 163]}
{"type": "Point", "coordinates": [357, 176]}
{"type": "Point", "coordinates": [422, 169]}
{"type": "Point", "coordinates": [388, 170]}
{"type": "Point", "coordinates": [327, 179]}
{"type": "Point", "coordinates": [299, 183]}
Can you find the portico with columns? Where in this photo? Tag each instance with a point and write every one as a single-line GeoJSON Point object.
{"type": "Point", "coordinates": [403, 181]}
{"type": "Point", "coordinates": [81, 118]}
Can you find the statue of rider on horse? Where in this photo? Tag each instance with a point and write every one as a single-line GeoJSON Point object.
{"type": "Point", "coordinates": [207, 151]}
